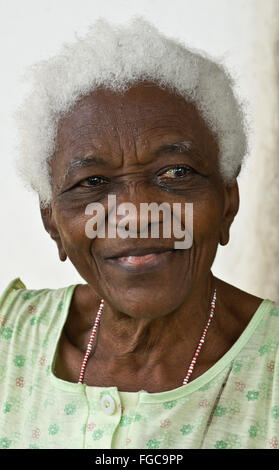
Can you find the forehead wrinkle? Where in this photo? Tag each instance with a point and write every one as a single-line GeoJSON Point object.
{"type": "Point", "coordinates": [161, 127]}
{"type": "Point", "coordinates": [149, 124]}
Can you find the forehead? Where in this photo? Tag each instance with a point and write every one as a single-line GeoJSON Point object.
{"type": "Point", "coordinates": [143, 116]}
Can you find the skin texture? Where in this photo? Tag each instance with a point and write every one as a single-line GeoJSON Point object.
{"type": "Point", "coordinates": [153, 319]}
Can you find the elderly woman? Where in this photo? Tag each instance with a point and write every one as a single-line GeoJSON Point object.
{"type": "Point", "coordinates": [153, 351]}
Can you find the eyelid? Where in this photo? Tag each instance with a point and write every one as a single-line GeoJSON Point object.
{"type": "Point", "coordinates": [92, 176]}
{"type": "Point", "coordinates": [173, 167]}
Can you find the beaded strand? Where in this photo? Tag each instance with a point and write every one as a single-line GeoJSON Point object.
{"type": "Point", "coordinates": [193, 362]}
{"type": "Point", "coordinates": [89, 346]}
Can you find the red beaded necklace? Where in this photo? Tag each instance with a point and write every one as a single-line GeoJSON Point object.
{"type": "Point", "coordinates": [193, 362]}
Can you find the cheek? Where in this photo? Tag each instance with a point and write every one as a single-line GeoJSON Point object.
{"type": "Point", "coordinates": [72, 233]}
{"type": "Point", "coordinates": [207, 219]}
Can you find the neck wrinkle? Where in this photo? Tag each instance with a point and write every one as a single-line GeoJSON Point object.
{"type": "Point", "coordinates": [151, 340]}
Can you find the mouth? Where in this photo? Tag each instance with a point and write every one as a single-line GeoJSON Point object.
{"type": "Point", "coordinates": [138, 260]}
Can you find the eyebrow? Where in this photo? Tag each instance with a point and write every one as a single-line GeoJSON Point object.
{"type": "Point", "coordinates": [182, 147]}
{"type": "Point", "coordinates": [84, 162]}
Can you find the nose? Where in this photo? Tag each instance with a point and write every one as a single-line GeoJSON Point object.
{"type": "Point", "coordinates": [138, 217]}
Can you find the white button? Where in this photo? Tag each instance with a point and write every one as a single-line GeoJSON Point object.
{"type": "Point", "coordinates": [108, 404]}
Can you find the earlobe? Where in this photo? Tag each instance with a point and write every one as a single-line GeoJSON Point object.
{"type": "Point", "coordinates": [231, 207]}
{"type": "Point", "coordinates": [61, 252]}
{"type": "Point", "coordinates": [46, 214]}
{"type": "Point", "coordinates": [224, 237]}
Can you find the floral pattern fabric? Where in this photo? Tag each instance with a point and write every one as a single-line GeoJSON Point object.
{"type": "Point", "coordinates": [233, 405]}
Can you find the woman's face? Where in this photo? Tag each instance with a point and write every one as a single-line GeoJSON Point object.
{"type": "Point", "coordinates": [123, 145]}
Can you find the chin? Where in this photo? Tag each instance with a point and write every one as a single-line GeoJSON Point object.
{"type": "Point", "coordinates": [145, 303]}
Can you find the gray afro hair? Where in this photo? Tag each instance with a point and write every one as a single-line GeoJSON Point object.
{"type": "Point", "coordinates": [116, 57]}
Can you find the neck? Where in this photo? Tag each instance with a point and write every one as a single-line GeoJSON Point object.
{"type": "Point", "coordinates": [144, 342]}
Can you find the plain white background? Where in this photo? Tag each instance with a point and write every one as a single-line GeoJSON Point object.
{"type": "Point", "coordinates": [238, 32]}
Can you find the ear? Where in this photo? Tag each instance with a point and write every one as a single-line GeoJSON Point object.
{"type": "Point", "coordinates": [231, 206]}
{"type": "Point", "coordinates": [49, 224]}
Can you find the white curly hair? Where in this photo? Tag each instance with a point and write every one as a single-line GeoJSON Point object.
{"type": "Point", "coordinates": [116, 56]}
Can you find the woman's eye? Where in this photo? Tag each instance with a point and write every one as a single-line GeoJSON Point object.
{"type": "Point", "coordinates": [176, 172]}
{"type": "Point", "coordinates": [92, 181]}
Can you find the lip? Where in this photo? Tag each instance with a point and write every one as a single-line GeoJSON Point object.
{"type": "Point", "coordinates": [142, 262]}
{"type": "Point", "coordinates": [126, 252]}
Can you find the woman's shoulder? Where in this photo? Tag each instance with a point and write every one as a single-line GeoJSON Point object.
{"type": "Point", "coordinates": [19, 304]}
{"type": "Point", "coordinates": [14, 286]}
{"type": "Point", "coordinates": [245, 308]}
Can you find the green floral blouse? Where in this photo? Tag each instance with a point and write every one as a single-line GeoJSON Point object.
{"type": "Point", "coordinates": [233, 405]}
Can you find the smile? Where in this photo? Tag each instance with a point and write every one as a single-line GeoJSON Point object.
{"type": "Point", "coordinates": [142, 262]}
